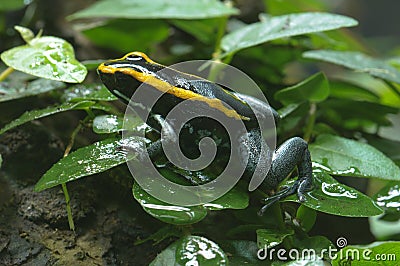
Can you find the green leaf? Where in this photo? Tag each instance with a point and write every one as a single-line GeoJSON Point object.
{"type": "Point", "coordinates": [313, 89]}
{"type": "Point", "coordinates": [46, 57]}
{"type": "Point", "coordinates": [384, 229]}
{"type": "Point", "coordinates": [283, 27]}
{"type": "Point", "coordinates": [269, 238]}
{"type": "Point", "coordinates": [307, 217]}
{"type": "Point", "coordinates": [26, 34]}
{"type": "Point", "coordinates": [198, 250]}
{"type": "Point", "coordinates": [130, 34]}
{"type": "Point", "coordinates": [105, 124]}
{"type": "Point", "coordinates": [11, 5]}
{"type": "Point", "coordinates": [351, 114]}
{"type": "Point", "coordinates": [140, 9]}
{"type": "Point", "coordinates": [191, 250]}
{"type": "Point", "coordinates": [204, 30]}
{"type": "Point", "coordinates": [242, 252]}
{"type": "Point", "coordinates": [346, 157]}
{"type": "Point", "coordinates": [95, 158]}
{"type": "Point", "coordinates": [165, 212]}
{"type": "Point", "coordinates": [345, 90]}
{"type": "Point", "coordinates": [358, 62]}
{"type": "Point", "coordinates": [38, 86]}
{"type": "Point", "coordinates": [377, 253]}
{"type": "Point", "coordinates": [388, 198]}
{"type": "Point", "coordinates": [166, 257]}
{"type": "Point", "coordinates": [304, 262]}
{"type": "Point", "coordinates": [92, 92]}
{"type": "Point", "coordinates": [236, 198]}
{"type": "Point", "coordinates": [331, 197]}
{"type": "Point", "coordinates": [36, 114]}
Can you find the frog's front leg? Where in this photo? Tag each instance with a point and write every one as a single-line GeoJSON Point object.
{"type": "Point", "coordinates": [293, 152]}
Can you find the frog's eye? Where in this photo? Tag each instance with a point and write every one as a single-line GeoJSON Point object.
{"type": "Point", "coordinates": [134, 57]}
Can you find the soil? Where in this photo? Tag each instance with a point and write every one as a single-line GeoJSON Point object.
{"type": "Point", "coordinates": [34, 227]}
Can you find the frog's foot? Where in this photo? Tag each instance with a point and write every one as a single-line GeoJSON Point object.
{"type": "Point", "coordinates": [300, 186]}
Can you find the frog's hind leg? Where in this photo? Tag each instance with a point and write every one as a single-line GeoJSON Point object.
{"type": "Point", "coordinates": [293, 152]}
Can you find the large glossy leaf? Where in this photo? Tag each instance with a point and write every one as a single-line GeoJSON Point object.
{"type": "Point", "coordinates": [140, 9]}
{"type": "Point", "coordinates": [92, 92]}
{"type": "Point", "coordinates": [36, 114]}
{"type": "Point", "coordinates": [377, 253]}
{"type": "Point", "coordinates": [332, 197]}
{"type": "Point", "coordinates": [168, 213]}
{"type": "Point", "coordinates": [95, 158]}
{"type": "Point", "coordinates": [236, 198]}
{"type": "Point", "coordinates": [283, 27]}
{"type": "Point", "coordinates": [346, 157]}
{"type": "Point", "coordinates": [357, 61]}
{"type": "Point", "coordinates": [38, 86]}
{"type": "Point", "coordinates": [313, 89]}
{"type": "Point", "coordinates": [46, 57]}
{"type": "Point", "coordinates": [191, 250]}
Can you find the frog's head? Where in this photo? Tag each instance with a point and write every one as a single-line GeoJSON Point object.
{"type": "Point", "coordinates": [122, 76]}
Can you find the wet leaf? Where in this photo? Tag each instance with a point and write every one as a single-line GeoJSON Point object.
{"type": "Point", "coordinates": [191, 250]}
{"type": "Point", "coordinates": [36, 114]}
{"type": "Point", "coordinates": [95, 158]}
{"type": "Point", "coordinates": [140, 9]}
{"type": "Point", "coordinates": [168, 213]}
{"type": "Point", "coordinates": [282, 27]}
{"type": "Point", "coordinates": [332, 197]}
{"type": "Point", "coordinates": [236, 198]}
{"type": "Point", "coordinates": [377, 253]}
{"type": "Point", "coordinates": [269, 238]}
{"type": "Point", "coordinates": [35, 87]}
{"type": "Point", "coordinates": [346, 157]}
{"type": "Point", "coordinates": [198, 250]}
{"type": "Point", "coordinates": [105, 124]}
{"type": "Point", "coordinates": [313, 89]}
{"type": "Point", "coordinates": [46, 57]}
{"type": "Point", "coordinates": [358, 62]}
{"type": "Point", "coordinates": [388, 198]}
{"type": "Point", "coordinates": [92, 92]}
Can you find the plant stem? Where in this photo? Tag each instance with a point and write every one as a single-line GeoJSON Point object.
{"type": "Point", "coordinates": [69, 210]}
{"type": "Point", "coordinates": [64, 185]}
{"type": "Point", "coordinates": [6, 73]}
{"type": "Point", "coordinates": [310, 123]}
{"type": "Point", "coordinates": [216, 68]}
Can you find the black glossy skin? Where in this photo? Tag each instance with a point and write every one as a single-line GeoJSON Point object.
{"type": "Point", "coordinates": [293, 152]}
